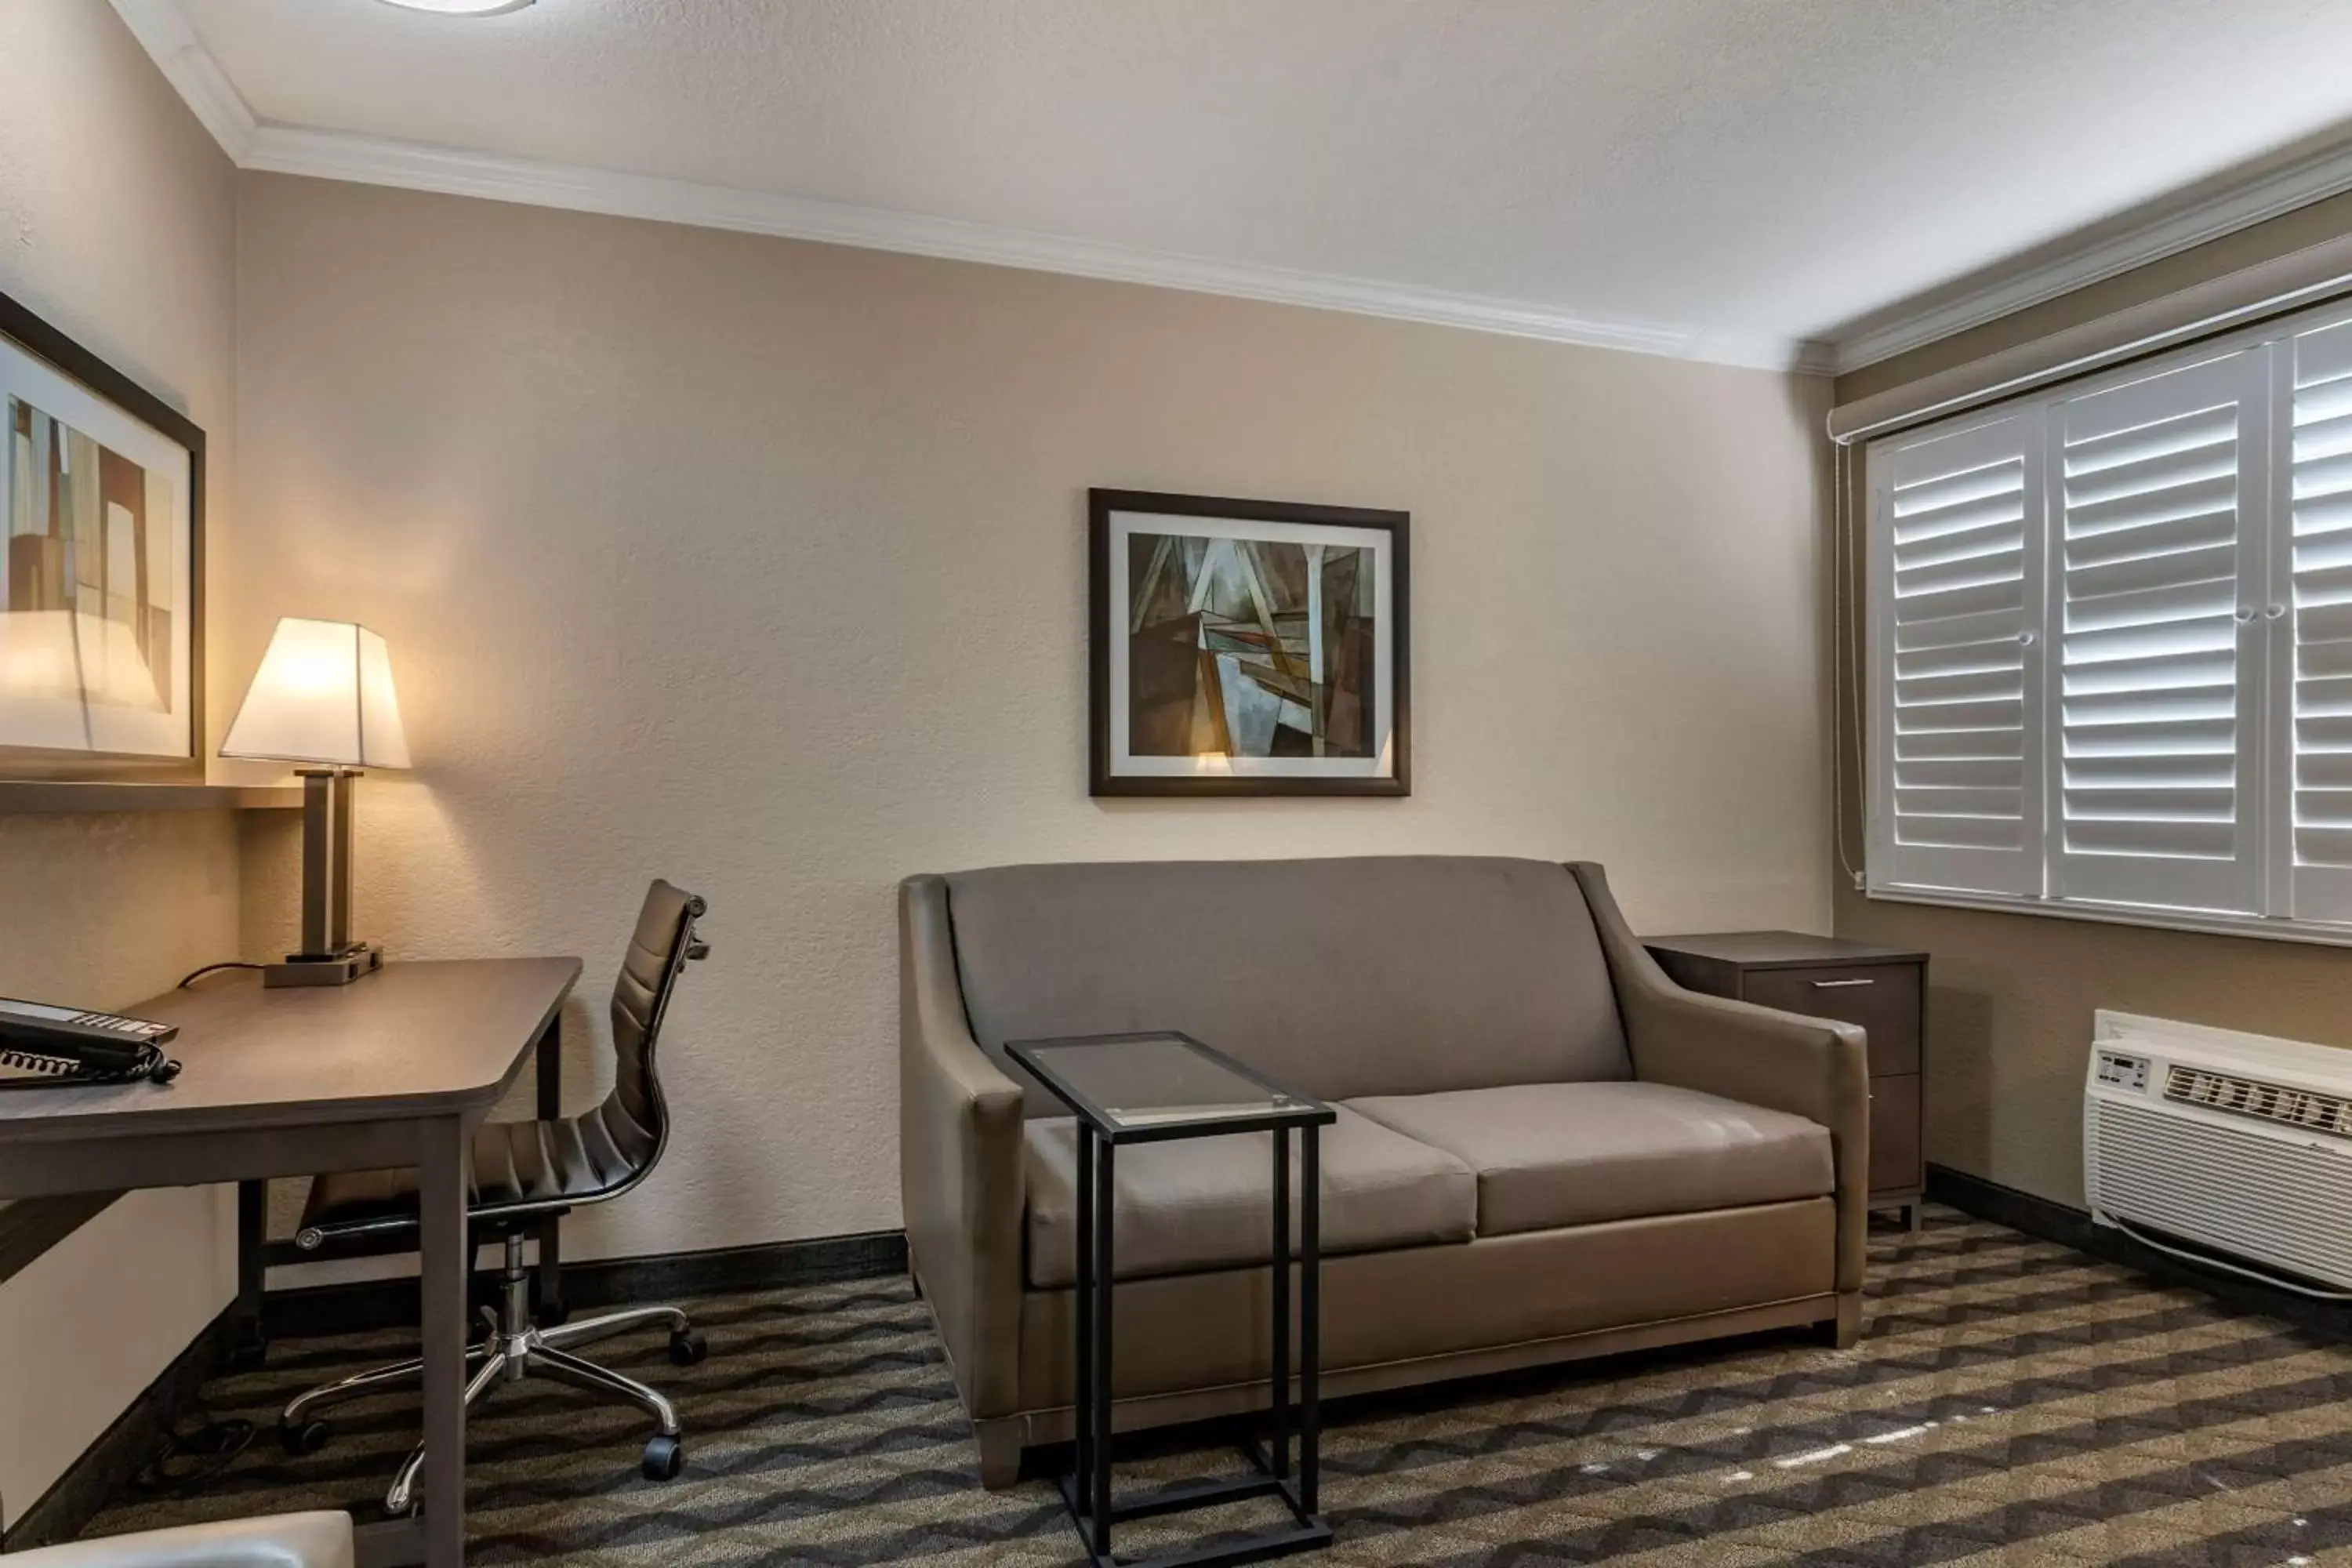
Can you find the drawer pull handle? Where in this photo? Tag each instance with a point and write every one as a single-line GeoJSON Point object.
{"type": "Point", "coordinates": [1840, 985]}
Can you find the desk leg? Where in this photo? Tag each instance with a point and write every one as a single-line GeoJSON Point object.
{"type": "Point", "coordinates": [251, 1345]}
{"type": "Point", "coordinates": [441, 1167]}
{"type": "Point", "coordinates": [548, 1070]}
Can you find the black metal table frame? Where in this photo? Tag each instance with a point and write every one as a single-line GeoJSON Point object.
{"type": "Point", "coordinates": [1086, 1488]}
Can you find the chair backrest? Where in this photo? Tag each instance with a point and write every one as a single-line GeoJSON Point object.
{"type": "Point", "coordinates": [1340, 977]}
{"type": "Point", "coordinates": [624, 1135]}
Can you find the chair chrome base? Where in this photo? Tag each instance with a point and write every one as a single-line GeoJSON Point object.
{"type": "Point", "coordinates": [515, 1349]}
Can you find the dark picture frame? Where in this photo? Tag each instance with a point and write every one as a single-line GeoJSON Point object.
{"type": "Point", "coordinates": [29, 334]}
{"type": "Point", "coordinates": [1382, 766]}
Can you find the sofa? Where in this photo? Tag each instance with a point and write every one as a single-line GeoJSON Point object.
{"type": "Point", "coordinates": [1544, 1150]}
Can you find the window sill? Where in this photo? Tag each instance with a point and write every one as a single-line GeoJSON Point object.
{"type": "Point", "coordinates": [2260, 927]}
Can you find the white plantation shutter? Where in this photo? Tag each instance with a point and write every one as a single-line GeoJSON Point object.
{"type": "Point", "coordinates": [1955, 547]}
{"type": "Point", "coordinates": [2316, 568]}
{"type": "Point", "coordinates": [2159, 498]}
{"type": "Point", "coordinates": [2111, 635]}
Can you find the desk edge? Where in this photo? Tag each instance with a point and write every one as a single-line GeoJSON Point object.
{"type": "Point", "coordinates": [164, 1124]}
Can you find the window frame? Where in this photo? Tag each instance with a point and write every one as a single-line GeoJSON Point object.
{"type": "Point", "coordinates": [2265, 797]}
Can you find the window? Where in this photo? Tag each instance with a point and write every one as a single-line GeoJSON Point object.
{"type": "Point", "coordinates": [2111, 635]}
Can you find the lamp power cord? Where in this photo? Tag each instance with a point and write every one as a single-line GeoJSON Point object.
{"type": "Point", "coordinates": [193, 976]}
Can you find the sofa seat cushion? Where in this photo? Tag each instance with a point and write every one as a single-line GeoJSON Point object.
{"type": "Point", "coordinates": [1550, 1155]}
{"type": "Point", "coordinates": [1208, 1203]}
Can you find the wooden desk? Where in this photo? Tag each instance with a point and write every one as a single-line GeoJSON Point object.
{"type": "Point", "coordinates": [393, 1070]}
{"type": "Point", "coordinates": [256, 1254]}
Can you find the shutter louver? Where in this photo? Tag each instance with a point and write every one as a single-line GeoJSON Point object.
{"type": "Point", "coordinates": [1955, 547]}
{"type": "Point", "coordinates": [2153, 789]}
{"type": "Point", "coordinates": [2319, 572]}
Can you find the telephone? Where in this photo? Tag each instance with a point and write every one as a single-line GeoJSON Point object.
{"type": "Point", "coordinates": [44, 1046]}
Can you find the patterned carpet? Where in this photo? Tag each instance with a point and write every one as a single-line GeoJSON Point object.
{"type": "Point", "coordinates": [2011, 1402]}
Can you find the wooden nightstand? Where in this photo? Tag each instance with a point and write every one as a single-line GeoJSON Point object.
{"type": "Point", "coordinates": [1884, 989]}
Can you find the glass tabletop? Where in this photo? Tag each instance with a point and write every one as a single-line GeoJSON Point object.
{"type": "Point", "coordinates": [1134, 1082]}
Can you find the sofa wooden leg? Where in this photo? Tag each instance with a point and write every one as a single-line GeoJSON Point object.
{"type": "Point", "coordinates": [1000, 1453]}
{"type": "Point", "coordinates": [1842, 1331]}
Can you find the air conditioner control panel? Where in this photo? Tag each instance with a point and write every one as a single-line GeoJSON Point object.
{"type": "Point", "coordinates": [2118, 1070]}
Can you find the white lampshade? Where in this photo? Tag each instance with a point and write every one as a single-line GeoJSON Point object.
{"type": "Point", "coordinates": [323, 694]}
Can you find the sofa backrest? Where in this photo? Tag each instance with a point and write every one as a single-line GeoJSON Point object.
{"type": "Point", "coordinates": [1338, 978]}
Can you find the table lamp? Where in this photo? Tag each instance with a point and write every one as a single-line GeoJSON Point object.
{"type": "Point", "coordinates": [323, 697]}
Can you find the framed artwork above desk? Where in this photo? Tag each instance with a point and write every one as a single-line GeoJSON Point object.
{"type": "Point", "coordinates": [101, 567]}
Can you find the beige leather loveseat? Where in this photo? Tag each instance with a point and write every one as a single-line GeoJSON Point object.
{"type": "Point", "coordinates": [1545, 1148]}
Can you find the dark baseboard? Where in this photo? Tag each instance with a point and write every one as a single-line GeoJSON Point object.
{"type": "Point", "coordinates": [2036, 1217]}
{"type": "Point", "coordinates": [366, 1305]}
{"type": "Point", "coordinates": [2062, 1222]}
{"type": "Point", "coordinates": [104, 1470]}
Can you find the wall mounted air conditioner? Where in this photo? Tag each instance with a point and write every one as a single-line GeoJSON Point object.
{"type": "Point", "coordinates": [2238, 1145]}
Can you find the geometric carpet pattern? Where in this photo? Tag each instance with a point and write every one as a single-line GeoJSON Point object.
{"type": "Point", "coordinates": [2011, 1402]}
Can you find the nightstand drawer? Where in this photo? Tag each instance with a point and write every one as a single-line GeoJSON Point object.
{"type": "Point", "coordinates": [1895, 1162]}
{"type": "Point", "coordinates": [1884, 998]}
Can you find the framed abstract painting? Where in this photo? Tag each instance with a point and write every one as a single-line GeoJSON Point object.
{"type": "Point", "coordinates": [1245, 648]}
{"type": "Point", "coordinates": [101, 567]}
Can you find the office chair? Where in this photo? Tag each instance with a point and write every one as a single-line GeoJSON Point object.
{"type": "Point", "coordinates": [524, 1172]}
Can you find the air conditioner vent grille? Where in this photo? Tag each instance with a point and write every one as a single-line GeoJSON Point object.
{"type": "Point", "coordinates": [2273, 1102]}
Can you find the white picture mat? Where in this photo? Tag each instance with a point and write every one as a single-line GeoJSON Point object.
{"type": "Point", "coordinates": [65, 723]}
{"type": "Point", "coordinates": [1381, 765]}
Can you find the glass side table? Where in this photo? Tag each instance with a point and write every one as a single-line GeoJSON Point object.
{"type": "Point", "coordinates": [1149, 1088]}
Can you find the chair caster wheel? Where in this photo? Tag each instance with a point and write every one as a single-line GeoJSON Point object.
{"type": "Point", "coordinates": [687, 1347]}
{"type": "Point", "coordinates": [665, 1457]}
{"type": "Point", "coordinates": [303, 1438]}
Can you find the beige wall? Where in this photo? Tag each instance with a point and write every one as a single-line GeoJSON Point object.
{"type": "Point", "coordinates": [118, 224]}
{"type": "Point", "coordinates": [761, 564]}
{"type": "Point", "coordinates": [2010, 1016]}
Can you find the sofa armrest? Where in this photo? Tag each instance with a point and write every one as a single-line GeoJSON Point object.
{"type": "Point", "coordinates": [959, 1160]}
{"type": "Point", "coordinates": [1812, 1067]}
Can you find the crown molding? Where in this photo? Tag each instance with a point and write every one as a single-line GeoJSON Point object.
{"type": "Point", "coordinates": [336, 155]}
{"type": "Point", "coordinates": [2173, 228]}
{"type": "Point", "coordinates": [169, 40]}
{"type": "Point", "coordinates": [163, 28]}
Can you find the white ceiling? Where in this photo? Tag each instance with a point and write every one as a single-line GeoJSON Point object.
{"type": "Point", "coordinates": [1731, 179]}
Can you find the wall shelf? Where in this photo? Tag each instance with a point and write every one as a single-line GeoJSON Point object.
{"type": "Point", "coordinates": [52, 799]}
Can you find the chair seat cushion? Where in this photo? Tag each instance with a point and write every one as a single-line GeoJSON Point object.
{"type": "Point", "coordinates": [1551, 1154]}
{"type": "Point", "coordinates": [515, 1162]}
{"type": "Point", "coordinates": [1208, 1203]}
